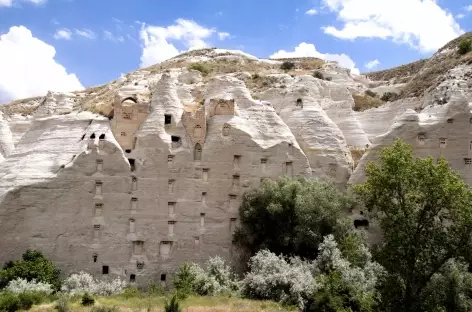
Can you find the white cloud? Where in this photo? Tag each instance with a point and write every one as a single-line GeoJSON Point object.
{"type": "Point", "coordinates": [63, 33]}
{"type": "Point", "coordinates": [108, 35]}
{"type": "Point", "coordinates": [9, 3]}
{"type": "Point", "coordinates": [468, 8]}
{"type": "Point", "coordinates": [311, 12]}
{"type": "Point", "coordinates": [309, 50]}
{"type": "Point", "coordinates": [156, 45]}
{"type": "Point", "coordinates": [87, 33]}
{"type": "Point", "coordinates": [28, 67]}
{"type": "Point", "coordinates": [223, 35]}
{"type": "Point", "coordinates": [460, 16]}
{"type": "Point", "coordinates": [372, 64]}
{"type": "Point", "coordinates": [423, 24]}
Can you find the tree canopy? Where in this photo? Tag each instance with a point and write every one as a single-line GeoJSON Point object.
{"type": "Point", "coordinates": [424, 211]}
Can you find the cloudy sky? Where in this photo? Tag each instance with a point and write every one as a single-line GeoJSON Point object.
{"type": "Point", "coordinates": [72, 44]}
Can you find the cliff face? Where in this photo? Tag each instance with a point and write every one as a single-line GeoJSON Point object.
{"type": "Point", "coordinates": [148, 171]}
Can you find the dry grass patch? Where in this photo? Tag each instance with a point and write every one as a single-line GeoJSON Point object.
{"type": "Point", "coordinates": [191, 304]}
{"type": "Point", "coordinates": [364, 102]}
{"type": "Point", "coordinates": [356, 154]}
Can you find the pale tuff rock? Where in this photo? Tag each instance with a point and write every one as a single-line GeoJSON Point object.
{"type": "Point", "coordinates": [157, 177]}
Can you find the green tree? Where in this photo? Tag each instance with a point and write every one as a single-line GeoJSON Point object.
{"type": "Point", "coordinates": [465, 46]}
{"type": "Point", "coordinates": [424, 210]}
{"type": "Point", "coordinates": [291, 217]}
{"type": "Point", "coordinates": [33, 265]}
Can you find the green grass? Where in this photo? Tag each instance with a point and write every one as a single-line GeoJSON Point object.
{"type": "Point", "coordinates": [191, 304]}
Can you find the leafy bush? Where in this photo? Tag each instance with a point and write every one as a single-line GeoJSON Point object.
{"type": "Point", "coordinates": [131, 292]}
{"type": "Point", "coordinates": [82, 282]}
{"type": "Point", "coordinates": [202, 67]}
{"type": "Point", "coordinates": [21, 285]}
{"type": "Point", "coordinates": [172, 304]}
{"type": "Point", "coordinates": [370, 93]}
{"type": "Point", "coordinates": [63, 304]}
{"type": "Point", "coordinates": [465, 46]}
{"type": "Point", "coordinates": [272, 277]}
{"type": "Point", "coordinates": [184, 280]}
{"type": "Point", "coordinates": [287, 66]}
{"type": "Point", "coordinates": [215, 278]}
{"type": "Point", "coordinates": [33, 266]}
{"type": "Point", "coordinates": [87, 300]}
{"type": "Point", "coordinates": [9, 302]}
{"type": "Point", "coordinates": [155, 289]}
{"type": "Point", "coordinates": [363, 102]}
{"type": "Point", "coordinates": [104, 309]}
{"type": "Point", "coordinates": [22, 301]}
{"type": "Point", "coordinates": [318, 74]}
{"type": "Point", "coordinates": [291, 217]}
{"type": "Point", "coordinates": [389, 97]}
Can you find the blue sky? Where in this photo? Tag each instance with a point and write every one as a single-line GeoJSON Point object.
{"type": "Point", "coordinates": [97, 40]}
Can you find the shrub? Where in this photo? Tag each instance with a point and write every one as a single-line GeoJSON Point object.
{"type": "Point", "coordinates": [131, 292]}
{"type": "Point", "coordinates": [87, 300]}
{"type": "Point", "coordinates": [363, 102]}
{"type": "Point", "coordinates": [33, 266]}
{"type": "Point", "coordinates": [287, 66]}
{"type": "Point", "coordinates": [389, 97]}
{"type": "Point", "coordinates": [155, 289]}
{"type": "Point", "coordinates": [104, 309]}
{"type": "Point", "coordinates": [290, 216]}
{"type": "Point", "coordinates": [370, 93]}
{"type": "Point", "coordinates": [63, 303]}
{"type": "Point", "coordinates": [255, 76]}
{"type": "Point", "coordinates": [184, 280]}
{"type": "Point", "coordinates": [318, 74]}
{"type": "Point", "coordinates": [82, 282]}
{"type": "Point", "coordinates": [272, 277]}
{"type": "Point", "coordinates": [465, 46]}
{"type": "Point", "coordinates": [9, 302]}
{"type": "Point", "coordinates": [172, 304]}
{"type": "Point", "coordinates": [202, 67]}
{"type": "Point", "coordinates": [21, 285]}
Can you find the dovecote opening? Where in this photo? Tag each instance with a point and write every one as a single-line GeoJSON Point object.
{"type": "Point", "coordinates": [442, 142]}
{"type": "Point", "coordinates": [205, 174]}
{"type": "Point", "coordinates": [105, 269]}
{"type": "Point", "coordinates": [197, 241]}
{"type": "Point", "coordinates": [170, 160]}
{"type": "Point", "coordinates": [171, 224]}
{"type": "Point", "coordinates": [98, 188]}
{"type": "Point", "coordinates": [132, 278]}
{"type": "Point", "coordinates": [138, 247]}
{"type": "Point", "coordinates": [299, 103]}
{"type": "Point", "coordinates": [132, 226]}
{"type": "Point", "coordinates": [95, 257]}
{"type": "Point", "coordinates": [171, 208]}
{"type": "Point", "coordinates": [98, 210]}
{"type": "Point", "coordinates": [467, 161]}
{"type": "Point", "coordinates": [92, 136]}
{"type": "Point", "coordinates": [236, 161]}
{"type": "Point", "coordinates": [132, 164]}
{"type": "Point", "coordinates": [361, 223]}
{"type": "Point", "coordinates": [171, 183]}
{"type": "Point", "coordinates": [163, 277]}
{"type": "Point", "coordinates": [198, 131]}
{"type": "Point", "coordinates": [134, 203]}
{"type": "Point", "coordinates": [264, 164]}
{"type": "Point", "coordinates": [450, 120]}
{"type": "Point", "coordinates": [290, 149]}
{"type": "Point", "coordinates": [165, 248]}
{"type": "Point", "coordinates": [204, 195]}
{"type": "Point", "coordinates": [289, 168]}
{"type": "Point", "coordinates": [236, 179]}
{"type": "Point", "coordinates": [202, 219]}
{"type": "Point", "coordinates": [140, 265]}
{"type": "Point", "coordinates": [123, 133]}
{"type": "Point", "coordinates": [127, 151]}
{"type": "Point", "coordinates": [470, 120]}
{"type": "Point", "coordinates": [226, 129]}
{"type": "Point", "coordinates": [96, 230]}
{"type": "Point", "coordinates": [167, 119]}
{"type": "Point", "coordinates": [421, 138]}
{"type": "Point", "coordinates": [197, 154]}
{"type": "Point", "coordinates": [99, 164]}
{"type": "Point", "coordinates": [176, 141]}
{"type": "Point", "coordinates": [102, 136]}
{"type": "Point", "coordinates": [134, 183]}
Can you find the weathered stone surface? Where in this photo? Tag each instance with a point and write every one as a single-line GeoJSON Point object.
{"type": "Point", "coordinates": [156, 180]}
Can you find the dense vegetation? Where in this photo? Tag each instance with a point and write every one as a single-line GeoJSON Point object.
{"type": "Point", "coordinates": [302, 250]}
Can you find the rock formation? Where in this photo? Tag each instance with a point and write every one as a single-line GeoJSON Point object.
{"type": "Point", "coordinates": [137, 176]}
